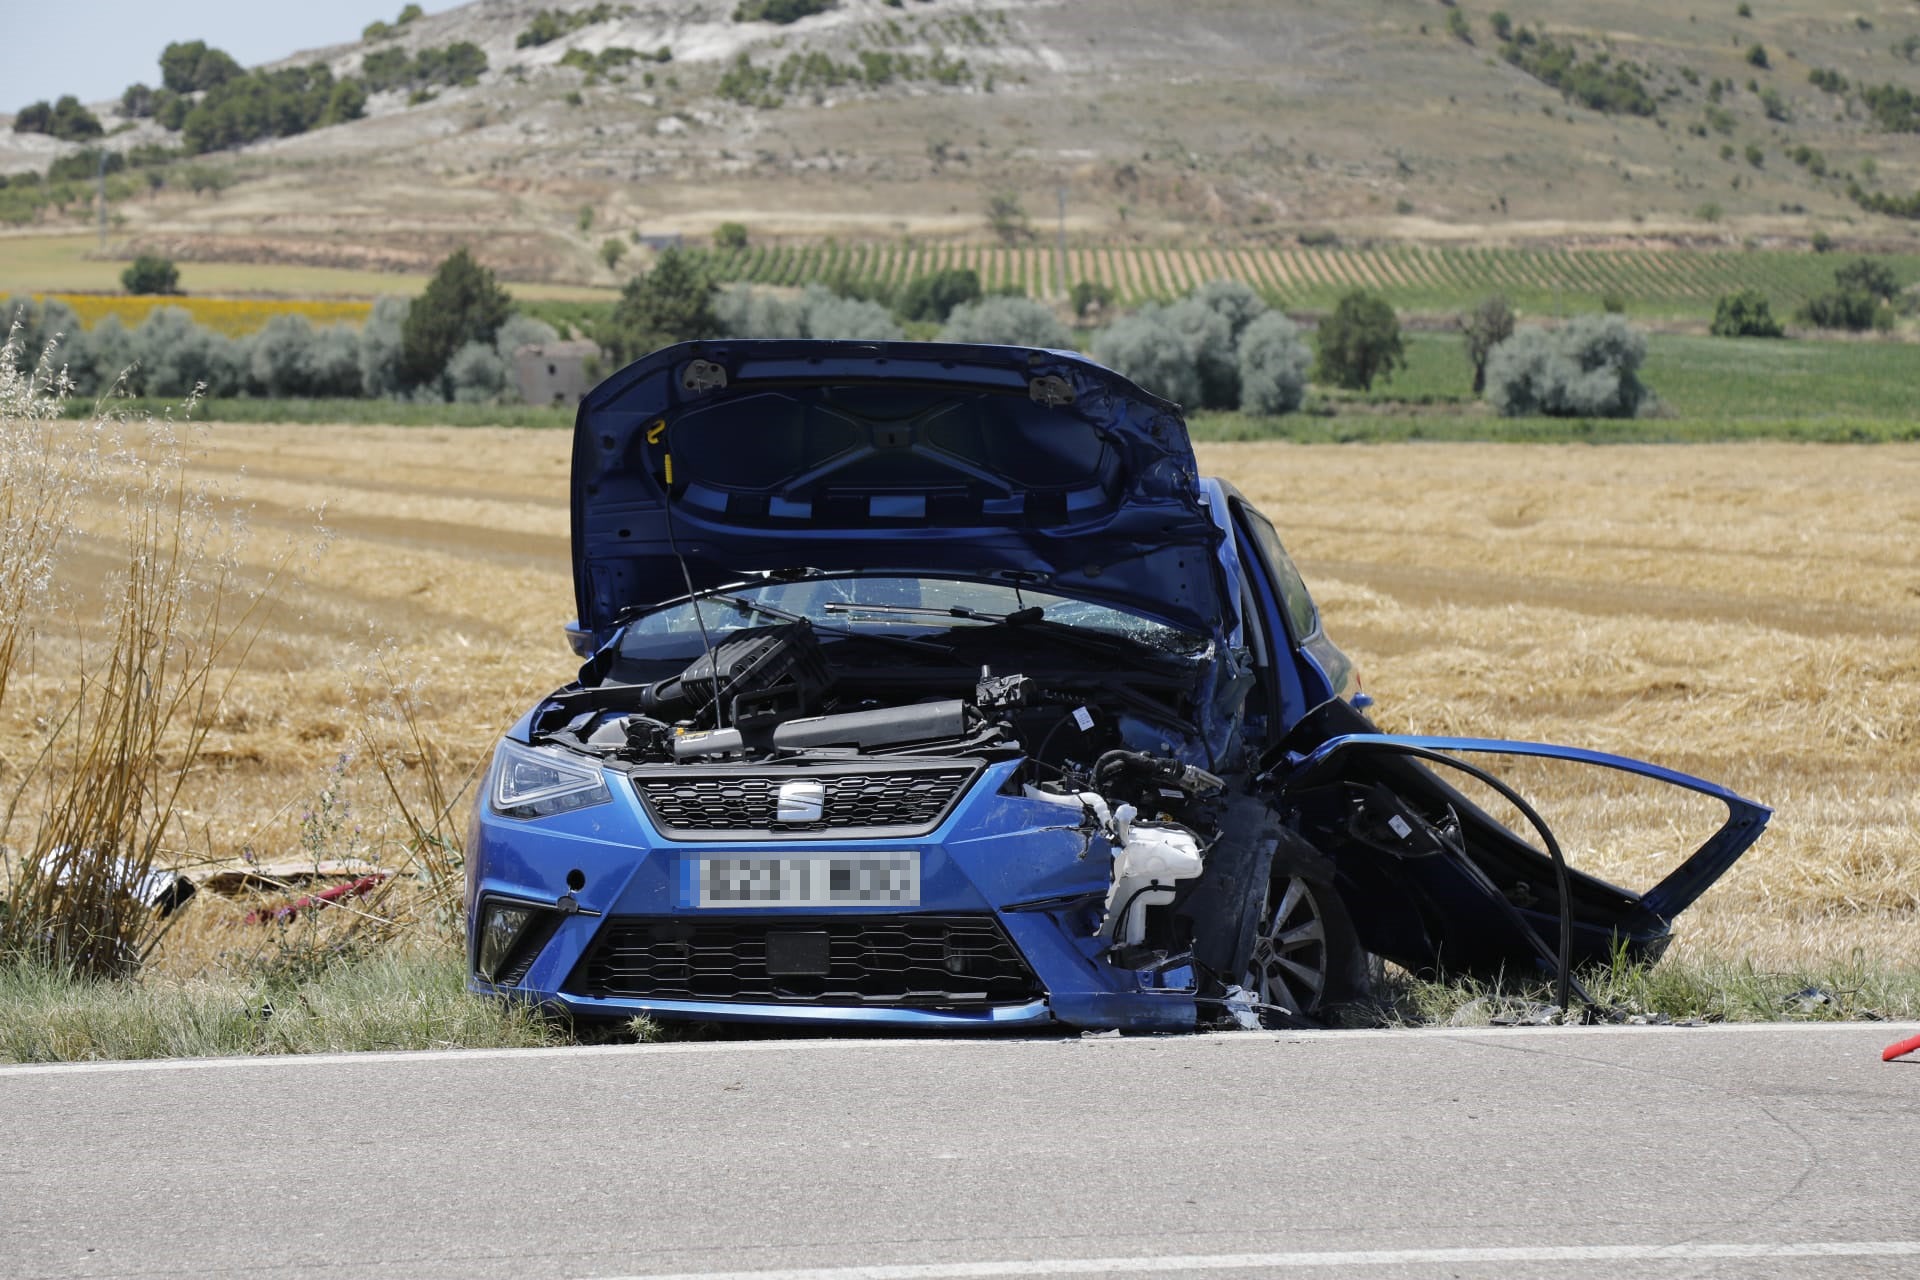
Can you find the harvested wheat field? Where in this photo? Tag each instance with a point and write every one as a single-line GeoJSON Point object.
{"type": "Point", "coordinates": [1745, 612]}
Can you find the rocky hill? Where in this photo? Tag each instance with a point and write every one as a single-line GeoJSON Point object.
{"type": "Point", "coordinates": [1224, 121]}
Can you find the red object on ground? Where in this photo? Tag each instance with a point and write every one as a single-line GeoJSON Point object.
{"type": "Point", "coordinates": [1900, 1048]}
{"type": "Point", "coordinates": [290, 910]}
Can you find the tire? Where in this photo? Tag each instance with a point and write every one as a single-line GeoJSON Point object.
{"type": "Point", "coordinates": [1307, 962]}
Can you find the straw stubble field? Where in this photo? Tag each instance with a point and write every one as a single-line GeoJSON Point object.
{"type": "Point", "coordinates": [1745, 612]}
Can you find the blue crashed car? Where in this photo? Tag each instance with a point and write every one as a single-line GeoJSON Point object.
{"type": "Point", "coordinates": [931, 686]}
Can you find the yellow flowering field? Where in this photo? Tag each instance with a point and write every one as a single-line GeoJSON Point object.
{"type": "Point", "coordinates": [231, 316]}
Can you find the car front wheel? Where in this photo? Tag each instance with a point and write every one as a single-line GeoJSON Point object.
{"type": "Point", "coordinates": [1307, 961]}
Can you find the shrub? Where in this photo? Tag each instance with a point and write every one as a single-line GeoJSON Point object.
{"type": "Point", "coordinates": [476, 374]}
{"type": "Point", "coordinates": [1018, 322]}
{"type": "Point", "coordinates": [1234, 302]}
{"type": "Point", "coordinates": [459, 63]}
{"type": "Point", "coordinates": [1821, 242]}
{"type": "Point", "coordinates": [1273, 361]}
{"type": "Point", "coordinates": [1588, 369]}
{"type": "Point", "coordinates": [1869, 277]}
{"type": "Point", "coordinates": [612, 249]}
{"type": "Point", "coordinates": [41, 325]}
{"type": "Point", "coordinates": [743, 311]}
{"type": "Point", "coordinates": [381, 343]}
{"type": "Point", "coordinates": [292, 358]}
{"type": "Point", "coordinates": [1147, 349]}
{"type": "Point", "coordinates": [462, 303]}
{"type": "Point", "coordinates": [103, 360]}
{"type": "Point", "coordinates": [1208, 337]}
{"type": "Point", "coordinates": [730, 235]}
{"type": "Point", "coordinates": [780, 11]}
{"type": "Point", "coordinates": [1359, 342]}
{"type": "Point", "coordinates": [934, 296]}
{"type": "Point", "coordinates": [522, 331]}
{"type": "Point", "coordinates": [65, 119]}
{"type": "Point", "coordinates": [1486, 327]}
{"type": "Point", "coordinates": [1089, 296]}
{"type": "Point", "coordinates": [1007, 218]}
{"type": "Point", "coordinates": [1594, 83]}
{"type": "Point", "coordinates": [1755, 156]}
{"type": "Point", "coordinates": [671, 303]}
{"type": "Point", "coordinates": [818, 312]}
{"type": "Point", "coordinates": [1851, 309]}
{"type": "Point", "coordinates": [1757, 56]}
{"type": "Point", "coordinates": [192, 67]}
{"type": "Point", "coordinates": [176, 357]}
{"type": "Point", "coordinates": [266, 104]}
{"type": "Point", "coordinates": [150, 274]}
{"type": "Point", "coordinates": [1613, 302]}
{"type": "Point", "coordinates": [1746, 314]}
{"type": "Point", "coordinates": [825, 314]}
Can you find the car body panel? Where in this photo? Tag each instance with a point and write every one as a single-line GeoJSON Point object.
{"type": "Point", "coordinates": [1097, 496]}
{"type": "Point", "coordinates": [994, 854]}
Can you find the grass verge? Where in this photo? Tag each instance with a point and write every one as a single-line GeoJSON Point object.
{"type": "Point", "coordinates": [1675, 990]}
{"type": "Point", "coordinates": [372, 412]}
{"type": "Point", "coordinates": [387, 1000]}
{"type": "Point", "coordinates": [1385, 428]}
{"type": "Point", "coordinates": [390, 1000]}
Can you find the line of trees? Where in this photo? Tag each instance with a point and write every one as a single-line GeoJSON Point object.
{"type": "Point", "coordinates": [453, 343]}
{"type": "Point", "coordinates": [215, 104]}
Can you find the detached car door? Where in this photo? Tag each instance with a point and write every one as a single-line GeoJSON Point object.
{"type": "Point", "coordinates": [1431, 879]}
{"type": "Point", "coordinates": [1436, 883]}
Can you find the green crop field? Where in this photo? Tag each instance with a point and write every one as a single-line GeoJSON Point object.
{"type": "Point", "coordinates": [1655, 283]}
{"type": "Point", "coordinates": [1709, 378]}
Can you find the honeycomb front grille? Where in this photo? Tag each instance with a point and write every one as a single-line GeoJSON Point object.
{"type": "Point", "coordinates": [910, 961]}
{"type": "Point", "coordinates": [688, 804]}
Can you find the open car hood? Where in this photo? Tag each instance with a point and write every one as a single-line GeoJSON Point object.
{"type": "Point", "coordinates": [1004, 464]}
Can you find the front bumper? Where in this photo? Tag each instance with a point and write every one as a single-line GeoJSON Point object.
{"type": "Point", "coordinates": [994, 857]}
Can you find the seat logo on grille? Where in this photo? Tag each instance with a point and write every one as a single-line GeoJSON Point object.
{"type": "Point", "coordinates": [803, 801]}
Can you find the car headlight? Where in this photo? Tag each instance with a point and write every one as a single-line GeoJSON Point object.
{"type": "Point", "coordinates": [538, 782]}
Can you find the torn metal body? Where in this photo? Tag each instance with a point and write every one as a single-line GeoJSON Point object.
{"type": "Point", "coordinates": [932, 686]}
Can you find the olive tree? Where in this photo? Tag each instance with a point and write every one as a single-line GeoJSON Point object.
{"type": "Point", "coordinates": [1588, 369]}
{"type": "Point", "coordinates": [1273, 365]}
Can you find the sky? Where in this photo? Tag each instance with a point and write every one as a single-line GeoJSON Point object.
{"type": "Point", "coordinates": [95, 48]}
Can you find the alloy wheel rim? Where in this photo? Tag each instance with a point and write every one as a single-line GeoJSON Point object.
{"type": "Point", "coordinates": [1288, 967]}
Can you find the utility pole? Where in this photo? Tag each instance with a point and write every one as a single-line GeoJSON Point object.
{"type": "Point", "coordinates": [1060, 249]}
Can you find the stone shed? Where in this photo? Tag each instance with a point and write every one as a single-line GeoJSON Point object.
{"type": "Point", "coordinates": [556, 372]}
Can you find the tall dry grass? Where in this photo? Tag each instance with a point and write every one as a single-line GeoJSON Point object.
{"type": "Point", "coordinates": [129, 673]}
{"type": "Point", "coordinates": [132, 601]}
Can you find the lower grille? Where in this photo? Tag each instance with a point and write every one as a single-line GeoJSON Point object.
{"type": "Point", "coordinates": [917, 961]}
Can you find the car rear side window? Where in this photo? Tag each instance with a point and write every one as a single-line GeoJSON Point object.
{"type": "Point", "coordinates": [1302, 617]}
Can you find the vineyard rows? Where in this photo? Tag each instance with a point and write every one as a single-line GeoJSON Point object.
{"type": "Point", "coordinates": [1414, 278]}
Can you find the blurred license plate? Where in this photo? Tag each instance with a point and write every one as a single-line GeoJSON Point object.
{"type": "Point", "coordinates": [824, 880]}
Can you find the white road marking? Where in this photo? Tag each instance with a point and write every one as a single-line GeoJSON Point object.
{"type": "Point", "coordinates": [1175, 1263]}
{"type": "Point", "coordinates": [1175, 1043]}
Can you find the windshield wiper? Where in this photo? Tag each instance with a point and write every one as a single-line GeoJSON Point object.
{"type": "Point", "coordinates": [751, 607]}
{"type": "Point", "coordinates": [1088, 640]}
{"type": "Point", "coordinates": [1018, 618]}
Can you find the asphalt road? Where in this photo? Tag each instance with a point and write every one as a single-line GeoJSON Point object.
{"type": "Point", "coordinates": [1662, 1152]}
